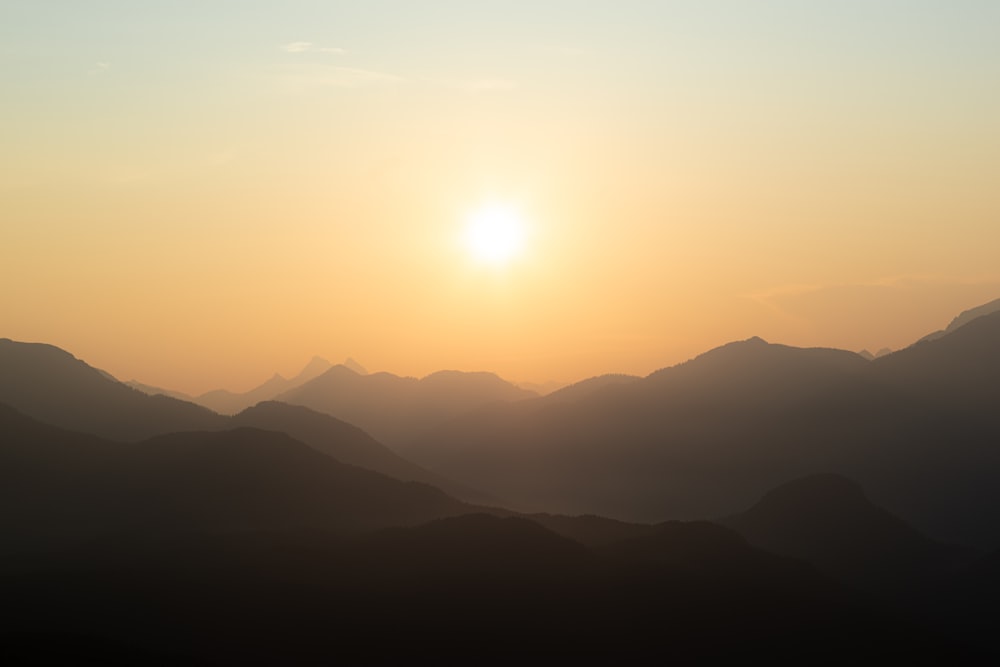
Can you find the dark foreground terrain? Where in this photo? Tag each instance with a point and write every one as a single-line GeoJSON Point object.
{"type": "Point", "coordinates": [473, 589]}
{"type": "Point", "coordinates": [248, 547]}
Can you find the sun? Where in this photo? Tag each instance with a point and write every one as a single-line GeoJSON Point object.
{"type": "Point", "coordinates": [494, 234]}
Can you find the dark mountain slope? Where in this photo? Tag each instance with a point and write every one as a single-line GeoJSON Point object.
{"type": "Point", "coordinates": [827, 520]}
{"type": "Point", "coordinates": [51, 385]}
{"type": "Point", "coordinates": [58, 485]}
{"type": "Point", "coordinates": [343, 442]}
{"type": "Point", "coordinates": [964, 318]}
{"type": "Point", "coordinates": [957, 371]}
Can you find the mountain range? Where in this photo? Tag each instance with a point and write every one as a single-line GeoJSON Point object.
{"type": "Point", "coordinates": [709, 436]}
{"type": "Point", "coordinates": [759, 499]}
{"type": "Point", "coordinates": [392, 408]}
{"type": "Point", "coordinates": [227, 402]}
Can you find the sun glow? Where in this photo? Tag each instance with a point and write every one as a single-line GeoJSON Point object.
{"type": "Point", "coordinates": [495, 235]}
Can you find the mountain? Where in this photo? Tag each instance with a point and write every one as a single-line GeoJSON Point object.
{"type": "Point", "coordinates": [228, 403]}
{"type": "Point", "coordinates": [53, 386]}
{"type": "Point", "coordinates": [343, 442]}
{"type": "Point", "coordinates": [58, 485]}
{"type": "Point", "coordinates": [827, 520]}
{"type": "Point", "coordinates": [153, 391]}
{"type": "Point", "coordinates": [393, 409]}
{"type": "Point", "coordinates": [670, 444]}
{"type": "Point", "coordinates": [869, 356]}
{"type": "Point", "coordinates": [353, 365]}
{"type": "Point", "coordinates": [542, 388]}
{"type": "Point", "coordinates": [578, 390]}
{"type": "Point", "coordinates": [964, 318]}
{"type": "Point", "coordinates": [709, 437]}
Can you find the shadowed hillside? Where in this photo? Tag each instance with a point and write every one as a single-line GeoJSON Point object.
{"type": "Point", "coordinates": [51, 385]}
{"type": "Point", "coordinates": [62, 486]}
{"type": "Point", "coordinates": [827, 521]}
{"type": "Point", "coordinates": [343, 442]}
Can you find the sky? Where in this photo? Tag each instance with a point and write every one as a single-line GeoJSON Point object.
{"type": "Point", "coordinates": [200, 194]}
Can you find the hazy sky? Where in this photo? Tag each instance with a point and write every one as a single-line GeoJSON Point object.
{"type": "Point", "coordinates": [198, 194]}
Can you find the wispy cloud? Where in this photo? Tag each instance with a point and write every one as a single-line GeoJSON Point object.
{"type": "Point", "coordinates": [99, 67]}
{"type": "Point", "coordinates": [296, 47]}
{"type": "Point", "coordinates": [309, 76]}
{"type": "Point", "coordinates": [307, 47]}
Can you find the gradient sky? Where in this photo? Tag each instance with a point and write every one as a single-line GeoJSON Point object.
{"type": "Point", "coordinates": [199, 194]}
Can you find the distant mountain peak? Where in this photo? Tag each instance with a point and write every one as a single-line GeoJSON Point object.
{"type": "Point", "coordinates": [355, 366]}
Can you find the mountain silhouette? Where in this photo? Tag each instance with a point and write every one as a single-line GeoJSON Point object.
{"type": "Point", "coordinates": [623, 451]}
{"type": "Point", "coordinates": [344, 442]}
{"type": "Point", "coordinates": [708, 437]}
{"type": "Point", "coordinates": [51, 385]}
{"type": "Point", "coordinates": [228, 403]}
{"type": "Point", "coordinates": [59, 485]}
{"type": "Point", "coordinates": [393, 409]}
{"type": "Point", "coordinates": [578, 390]}
{"type": "Point", "coordinates": [353, 365]}
{"type": "Point", "coordinates": [964, 318]}
{"type": "Point", "coordinates": [827, 520]}
{"type": "Point", "coordinates": [153, 391]}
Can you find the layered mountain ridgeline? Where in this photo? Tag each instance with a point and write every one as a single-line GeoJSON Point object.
{"type": "Point", "coordinates": [229, 403]}
{"type": "Point", "coordinates": [53, 386]}
{"type": "Point", "coordinates": [706, 438]}
{"type": "Point", "coordinates": [60, 487]}
{"type": "Point", "coordinates": [395, 409]}
{"type": "Point", "coordinates": [964, 318]}
{"type": "Point", "coordinates": [345, 443]}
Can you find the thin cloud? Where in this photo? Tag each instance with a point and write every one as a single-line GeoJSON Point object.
{"type": "Point", "coordinates": [309, 76]}
{"type": "Point", "coordinates": [308, 47]}
{"type": "Point", "coordinates": [99, 67]}
{"type": "Point", "coordinates": [296, 47]}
